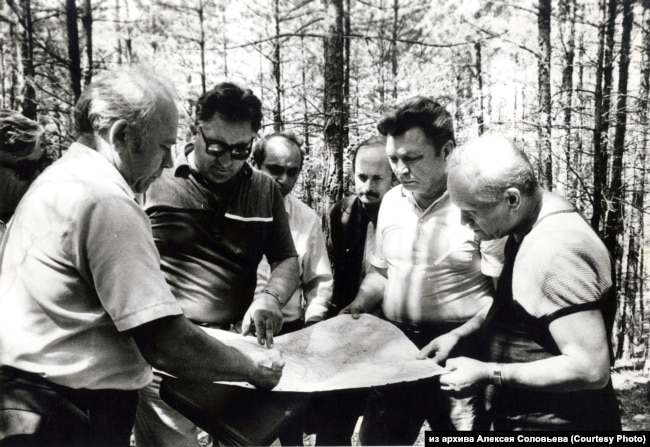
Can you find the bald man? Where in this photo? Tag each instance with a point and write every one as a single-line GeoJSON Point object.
{"type": "Point", "coordinates": [547, 331]}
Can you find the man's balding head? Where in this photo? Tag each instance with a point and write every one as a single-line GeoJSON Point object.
{"type": "Point", "coordinates": [493, 184]}
{"type": "Point", "coordinates": [492, 163]}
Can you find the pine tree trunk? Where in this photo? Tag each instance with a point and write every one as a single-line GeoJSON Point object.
{"type": "Point", "coordinates": [335, 111]}
{"type": "Point", "coordinates": [27, 54]}
{"type": "Point", "coordinates": [276, 72]}
{"type": "Point", "coordinates": [602, 106]}
{"type": "Point", "coordinates": [613, 221]}
{"type": "Point", "coordinates": [479, 75]}
{"type": "Point", "coordinates": [544, 84]}
{"type": "Point", "coordinates": [73, 47]}
{"type": "Point", "coordinates": [568, 12]}
{"type": "Point", "coordinates": [87, 20]}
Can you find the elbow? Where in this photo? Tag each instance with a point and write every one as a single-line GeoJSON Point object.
{"type": "Point", "coordinates": [596, 378]}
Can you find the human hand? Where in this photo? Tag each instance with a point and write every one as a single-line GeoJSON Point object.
{"type": "Point", "coordinates": [464, 375]}
{"type": "Point", "coordinates": [439, 348]}
{"type": "Point", "coordinates": [264, 318]}
{"type": "Point", "coordinates": [354, 308]}
{"type": "Point", "coordinates": [268, 365]}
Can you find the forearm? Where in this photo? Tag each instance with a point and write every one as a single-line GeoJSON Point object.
{"type": "Point", "coordinates": [473, 324]}
{"type": "Point", "coordinates": [371, 291]}
{"type": "Point", "coordinates": [285, 277]}
{"type": "Point", "coordinates": [178, 347]}
{"type": "Point", "coordinates": [559, 373]}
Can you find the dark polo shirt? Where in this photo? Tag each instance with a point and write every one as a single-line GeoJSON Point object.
{"type": "Point", "coordinates": [211, 238]}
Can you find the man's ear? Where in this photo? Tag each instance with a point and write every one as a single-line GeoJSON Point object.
{"type": "Point", "coordinates": [513, 197]}
{"type": "Point", "coordinates": [118, 135]}
{"type": "Point", "coordinates": [447, 148]}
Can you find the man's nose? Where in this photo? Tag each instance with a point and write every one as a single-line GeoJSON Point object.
{"type": "Point", "coordinates": [168, 159]}
{"type": "Point", "coordinates": [401, 168]}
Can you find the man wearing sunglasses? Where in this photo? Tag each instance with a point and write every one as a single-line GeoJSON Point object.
{"type": "Point", "coordinates": [21, 159]}
{"type": "Point", "coordinates": [213, 218]}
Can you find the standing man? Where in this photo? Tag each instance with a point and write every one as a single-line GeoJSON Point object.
{"type": "Point", "coordinates": [352, 223]}
{"type": "Point", "coordinates": [431, 277]}
{"type": "Point", "coordinates": [84, 308]}
{"type": "Point", "coordinates": [353, 220]}
{"type": "Point", "coordinates": [279, 156]}
{"type": "Point", "coordinates": [213, 218]}
{"type": "Point", "coordinates": [548, 330]}
{"type": "Point", "coordinates": [22, 157]}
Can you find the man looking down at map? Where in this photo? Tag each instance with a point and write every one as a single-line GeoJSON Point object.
{"type": "Point", "coordinates": [84, 307]}
{"type": "Point", "coordinates": [548, 330]}
{"type": "Point", "coordinates": [430, 276]}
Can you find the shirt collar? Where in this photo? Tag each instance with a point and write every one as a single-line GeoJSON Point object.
{"type": "Point", "coordinates": [81, 150]}
{"type": "Point", "coordinates": [444, 198]}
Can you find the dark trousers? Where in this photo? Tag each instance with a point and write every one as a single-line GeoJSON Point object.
{"type": "Point", "coordinates": [36, 412]}
{"type": "Point", "coordinates": [395, 413]}
{"type": "Point", "coordinates": [333, 415]}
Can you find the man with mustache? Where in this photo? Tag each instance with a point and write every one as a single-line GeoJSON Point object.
{"type": "Point", "coordinates": [353, 220]}
{"type": "Point", "coordinates": [430, 276]}
{"type": "Point", "coordinates": [352, 223]}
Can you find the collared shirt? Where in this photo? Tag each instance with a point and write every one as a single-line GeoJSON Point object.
{"type": "Point", "coordinates": [79, 269]}
{"type": "Point", "coordinates": [211, 238]}
{"type": "Point", "coordinates": [436, 270]}
{"type": "Point", "coordinates": [315, 289]}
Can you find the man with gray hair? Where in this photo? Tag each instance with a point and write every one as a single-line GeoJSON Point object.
{"type": "Point", "coordinates": [547, 332]}
{"type": "Point", "coordinates": [84, 307]}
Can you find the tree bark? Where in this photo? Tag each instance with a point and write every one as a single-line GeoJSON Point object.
{"type": "Point", "coordinates": [545, 164]}
{"type": "Point", "coordinates": [276, 70]}
{"type": "Point", "coordinates": [335, 111]}
{"type": "Point", "coordinates": [27, 54]}
{"type": "Point", "coordinates": [602, 106]}
{"type": "Point", "coordinates": [73, 47]}
{"type": "Point", "coordinates": [479, 76]}
{"type": "Point", "coordinates": [87, 20]}
{"type": "Point", "coordinates": [568, 12]}
{"type": "Point", "coordinates": [613, 220]}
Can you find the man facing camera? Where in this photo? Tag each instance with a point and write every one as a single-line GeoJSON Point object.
{"type": "Point", "coordinates": [213, 218]}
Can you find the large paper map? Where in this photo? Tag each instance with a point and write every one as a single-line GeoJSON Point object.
{"type": "Point", "coordinates": [341, 353]}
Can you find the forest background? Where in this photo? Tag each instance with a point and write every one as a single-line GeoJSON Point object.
{"type": "Point", "coordinates": [568, 80]}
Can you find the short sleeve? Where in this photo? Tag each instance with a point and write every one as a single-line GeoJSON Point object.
{"type": "Point", "coordinates": [116, 252]}
{"type": "Point", "coordinates": [558, 273]}
{"type": "Point", "coordinates": [281, 244]}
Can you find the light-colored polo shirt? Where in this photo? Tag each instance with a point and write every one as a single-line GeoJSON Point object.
{"type": "Point", "coordinates": [79, 268]}
{"type": "Point", "coordinates": [436, 271]}
{"type": "Point", "coordinates": [315, 289]}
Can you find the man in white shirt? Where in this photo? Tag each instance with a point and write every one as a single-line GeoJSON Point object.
{"type": "Point", "coordinates": [279, 156]}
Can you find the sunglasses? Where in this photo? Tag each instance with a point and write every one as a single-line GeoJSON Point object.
{"type": "Point", "coordinates": [217, 148]}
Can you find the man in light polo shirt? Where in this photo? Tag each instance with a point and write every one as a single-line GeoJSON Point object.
{"type": "Point", "coordinates": [84, 307]}
{"type": "Point", "coordinates": [431, 277]}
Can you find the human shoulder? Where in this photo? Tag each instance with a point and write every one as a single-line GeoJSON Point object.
{"type": "Point", "coordinates": [344, 206]}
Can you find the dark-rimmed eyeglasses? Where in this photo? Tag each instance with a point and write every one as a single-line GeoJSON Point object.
{"type": "Point", "coordinates": [217, 148]}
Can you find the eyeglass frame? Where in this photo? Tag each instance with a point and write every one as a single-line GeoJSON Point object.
{"type": "Point", "coordinates": [224, 147]}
